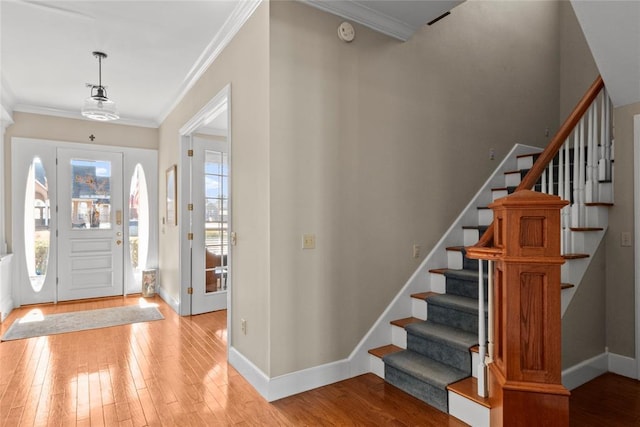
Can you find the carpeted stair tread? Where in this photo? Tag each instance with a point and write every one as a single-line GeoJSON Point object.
{"type": "Point", "coordinates": [464, 274]}
{"type": "Point", "coordinates": [424, 368]}
{"type": "Point", "coordinates": [468, 305]}
{"type": "Point", "coordinates": [452, 337]}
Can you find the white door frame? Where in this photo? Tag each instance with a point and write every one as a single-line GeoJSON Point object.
{"type": "Point", "coordinates": [217, 105]}
{"type": "Point", "coordinates": [148, 158]}
{"type": "Point", "coordinates": [636, 226]}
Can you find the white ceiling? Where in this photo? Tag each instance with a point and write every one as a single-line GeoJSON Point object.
{"type": "Point", "coordinates": [612, 29]}
{"type": "Point", "coordinates": [156, 51]}
{"type": "Point", "coordinates": [396, 18]}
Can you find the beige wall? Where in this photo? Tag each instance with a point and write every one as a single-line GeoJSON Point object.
{"type": "Point", "coordinates": [377, 145]}
{"type": "Point", "coordinates": [244, 64]}
{"type": "Point", "coordinates": [620, 260]}
{"type": "Point", "coordinates": [38, 126]}
{"type": "Point", "coordinates": [577, 66]}
{"type": "Point", "coordinates": [583, 324]}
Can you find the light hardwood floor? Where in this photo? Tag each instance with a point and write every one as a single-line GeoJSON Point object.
{"type": "Point", "coordinates": [174, 372]}
{"type": "Point", "coordinates": [171, 372]}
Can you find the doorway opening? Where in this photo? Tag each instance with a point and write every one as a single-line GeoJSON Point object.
{"type": "Point", "coordinates": [205, 255]}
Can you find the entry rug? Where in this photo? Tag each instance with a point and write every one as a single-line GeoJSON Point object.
{"type": "Point", "coordinates": [36, 325]}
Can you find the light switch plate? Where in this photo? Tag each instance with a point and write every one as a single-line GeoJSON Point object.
{"type": "Point", "coordinates": [308, 241]}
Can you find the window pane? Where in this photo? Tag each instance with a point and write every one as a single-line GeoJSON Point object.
{"type": "Point", "coordinates": [90, 194]}
{"type": "Point", "coordinates": [138, 219]}
{"type": "Point", "coordinates": [36, 224]}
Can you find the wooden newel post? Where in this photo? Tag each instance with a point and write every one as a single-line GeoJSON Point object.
{"type": "Point", "coordinates": [525, 381]}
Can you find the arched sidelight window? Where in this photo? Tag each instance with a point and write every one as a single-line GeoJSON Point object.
{"type": "Point", "coordinates": [37, 213]}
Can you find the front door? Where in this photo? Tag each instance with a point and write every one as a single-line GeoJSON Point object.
{"type": "Point", "coordinates": [90, 218]}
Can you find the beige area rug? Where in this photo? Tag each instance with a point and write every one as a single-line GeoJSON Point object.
{"type": "Point", "coordinates": [36, 325]}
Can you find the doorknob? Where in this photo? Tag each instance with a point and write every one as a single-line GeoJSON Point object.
{"type": "Point", "coordinates": [118, 242]}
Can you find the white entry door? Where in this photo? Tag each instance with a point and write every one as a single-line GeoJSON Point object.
{"type": "Point", "coordinates": [90, 218]}
{"type": "Point", "coordinates": [210, 225]}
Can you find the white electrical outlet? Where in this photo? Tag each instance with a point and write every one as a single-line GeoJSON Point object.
{"type": "Point", "coordinates": [625, 239]}
{"type": "Point", "coordinates": [416, 251]}
{"type": "Point", "coordinates": [243, 326]}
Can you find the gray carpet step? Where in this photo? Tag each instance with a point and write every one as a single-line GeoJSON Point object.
{"type": "Point", "coordinates": [464, 282]}
{"type": "Point", "coordinates": [442, 343]}
{"type": "Point", "coordinates": [455, 311]}
{"type": "Point", "coordinates": [421, 377]}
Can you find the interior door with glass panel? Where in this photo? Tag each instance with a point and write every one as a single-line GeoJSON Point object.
{"type": "Point", "coordinates": [210, 225]}
{"type": "Point", "coordinates": [90, 232]}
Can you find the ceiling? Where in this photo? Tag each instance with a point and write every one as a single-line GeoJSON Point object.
{"type": "Point", "coordinates": [612, 30]}
{"type": "Point", "coordinates": [155, 54]}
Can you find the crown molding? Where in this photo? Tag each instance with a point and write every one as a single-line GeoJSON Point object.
{"type": "Point", "coordinates": [366, 16]}
{"type": "Point", "coordinates": [67, 114]}
{"type": "Point", "coordinates": [7, 98]}
{"type": "Point", "coordinates": [230, 28]}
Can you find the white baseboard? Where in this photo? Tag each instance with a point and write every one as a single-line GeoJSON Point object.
{"type": "Point", "coordinates": [585, 371]}
{"type": "Point", "coordinates": [173, 303]}
{"type": "Point", "coordinates": [589, 369]}
{"type": "Point", "coordinates": [6, 308]}
{"type": "Point", "coordinates": [622, 365]}
{"type": "Point", "coordinates": [289, 384]}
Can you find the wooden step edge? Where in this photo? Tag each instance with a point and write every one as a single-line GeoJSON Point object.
{"type": "Point", "coordinates": [384, 350]}
{"type": "Point", "coordinates": [424, 295]}
{"type": "Point", "coordinates": [455, 248]}
{"type": "Point", "coordinates": [483, 207]}
{"type": "Point", "coordinates": [406, 321]}
{"type": "Point", "coordinates": [513, 172]}
{"type": "Point", "coordinates": [605, 204]}
{"type": "Point", "coordinates": [468, 388]}
{"type": "Point", "coordinates": [586, 228]}
{"type": "Point", "coordinates": [438, 270]}
{"type": "Point", "coordinates": [500, 189]}
{"type": "Point", "coordinates": [475, 349]}
{"type": "Point", "coordinates": [575, 256]}
{"type": "Point", "coordinates": [566, 286]}
{"type": "Point", "coordinates": [519, 156]}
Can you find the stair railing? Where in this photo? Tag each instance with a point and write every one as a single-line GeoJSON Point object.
{"type": "Point", "coordinates": [573, 166]}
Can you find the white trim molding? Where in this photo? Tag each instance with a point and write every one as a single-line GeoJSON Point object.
{"type": "Point", "coordinates": [56, 112]}
{"type": "Point", "coordinates": [622, 365]}
{"type": "Point", "coordinates": [636, 216]}
{"type": "Point", "coordinates": [230, 28]}
{"type": "Point", "coordinates": [585, 371]}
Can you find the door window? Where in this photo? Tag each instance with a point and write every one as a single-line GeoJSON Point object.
{"type": "Point", "coordinates": [90, 194]}
{"type": "Point", "coordinates": [216, 178]}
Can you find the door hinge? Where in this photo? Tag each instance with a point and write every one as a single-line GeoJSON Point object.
{"type": "Point", "coordinates": [190, 153]}
{"type": "Point", "coordinates": [190, 207]}
{"type": "Point", "coordinates": [190, 291]}
{"type": "Point", "coordinates": [189, 236]}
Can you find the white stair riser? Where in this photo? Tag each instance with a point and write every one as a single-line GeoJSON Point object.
{"type": "Point", "coordinates": [438, 283]}
{"type": "Point", "coordinates": [485, 216]}
{"type": "Point", "coordinates": [525, 162]}
{"type": "Point", "coordinates": [454, 260]}
{"type": "Point", "coordinates": [605, 192]}
{"type": "Point", "coordinates": [597, 216]}
{"type": "Point", "coordinates": [419, 308]}
{"type": "Point", "coordinates": [512, 179]}
{"type": "Point", "coordinates": [377, 365]}
{"type": "Point", "coordinates": [470, 236]}
{"type": "Point", "coordinates": [468, 411]}
{"type": "Point", "coordinates": [498, 194]}
{"type": "Point", "coordinates": [582, 241]}
{"type": "Point", "coordinates": [398, 336]}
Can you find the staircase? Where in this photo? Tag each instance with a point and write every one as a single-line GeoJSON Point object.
{"type": "Point", "coordinates": [433, 352]}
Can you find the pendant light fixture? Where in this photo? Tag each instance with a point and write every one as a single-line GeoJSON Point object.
{"type": "Point", "coordinates": [98, 106]}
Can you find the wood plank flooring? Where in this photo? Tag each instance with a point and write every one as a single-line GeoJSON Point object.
{"type": "Point", "coordinates": [171, 372]}
{"type": "Point", "coordinates": [174, 372]}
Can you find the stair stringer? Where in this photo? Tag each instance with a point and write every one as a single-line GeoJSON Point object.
{"type": "Point", "coordinates": [400, 307]}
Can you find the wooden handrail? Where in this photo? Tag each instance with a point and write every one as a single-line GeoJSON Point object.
{"type": "Point", "coordinates": [552, 149]}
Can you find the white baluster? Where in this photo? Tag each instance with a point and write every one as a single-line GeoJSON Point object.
{"type": "Point", "coordinates": [490, 322]}
{"type": "Point", "coordinates": [482, 336]}
{"type": "Point", "coordinates": [589, 186]}
{"type": "Point", "coordinates": [566, 211]}
{"type": "Point", "coordinates": [581, 174]}
{"type": "Point", "coordinates": [608, 153]}
{"type": "Point", "coordinates": [550, 186]}
{"type": "Point", "coordinates": [543, 183]}
{"type": "Point", "coordinates": [575, 206]}
{"type": "Point", "coordinates": [561, 194]}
